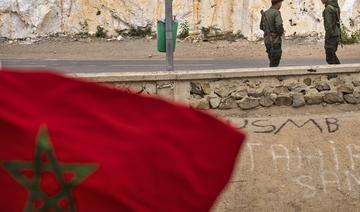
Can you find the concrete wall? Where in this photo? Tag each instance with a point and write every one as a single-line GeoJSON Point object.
{"type": "Point", "coordinates": [302, 151]}
{"type": "Point", "coordinates": [303, 161]}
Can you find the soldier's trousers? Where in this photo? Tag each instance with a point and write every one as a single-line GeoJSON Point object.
{"type": "Point", "coordinates": [331, 46]}
{"type": "Point", "coordinates": [274, 53]}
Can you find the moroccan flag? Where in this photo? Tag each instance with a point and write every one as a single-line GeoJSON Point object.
{"type": "Point", "coordinates": [70, 145]}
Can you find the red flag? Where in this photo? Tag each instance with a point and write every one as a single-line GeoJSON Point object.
{"type": "Point", "coordinates": [69, 145]}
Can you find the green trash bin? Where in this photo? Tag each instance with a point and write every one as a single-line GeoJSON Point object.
{"type": "Point", "coordinates": [161, 35]}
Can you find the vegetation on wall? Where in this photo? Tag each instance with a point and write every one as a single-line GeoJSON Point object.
{"type": "Point", "coordinates": [184, 30]}
{"type": "Point", "coordinates": [349, 37]}
{"type": "Point", "coordinates": [100, 32]}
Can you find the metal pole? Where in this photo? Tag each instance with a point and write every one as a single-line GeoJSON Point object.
{"type": "Point", "coordinates": [169, 36]}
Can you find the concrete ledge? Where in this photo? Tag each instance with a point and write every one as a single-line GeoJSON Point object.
{"type": "Point", "coordinates": [220, 74]}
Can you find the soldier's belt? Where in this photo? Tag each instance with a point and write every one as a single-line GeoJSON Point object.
{"type": "Point", "coordinates": [273, 34]}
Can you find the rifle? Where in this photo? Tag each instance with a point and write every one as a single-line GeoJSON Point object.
{"type": "Point", "coordinates": [338, 23]}
{"type": "Point", "coordinates": [267, 27]}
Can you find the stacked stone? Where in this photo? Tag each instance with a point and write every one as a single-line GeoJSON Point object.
{"type": "Point", "coordinates": [319, 90]}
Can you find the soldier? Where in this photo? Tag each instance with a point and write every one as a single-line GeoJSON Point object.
{"type": "Point", "coordinates": [272, 25]}
{"type": "Point", "coordinates": [331, 16]}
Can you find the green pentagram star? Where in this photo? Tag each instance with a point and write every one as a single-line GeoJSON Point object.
{"type": "Point", "coordinates": [38, 199]}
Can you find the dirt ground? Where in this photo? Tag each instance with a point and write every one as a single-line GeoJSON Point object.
{"type": "Point", "coordinates": [102, 49]}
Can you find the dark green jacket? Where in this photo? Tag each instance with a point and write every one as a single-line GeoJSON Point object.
{"type": "Point", "coordinates": [331, 16]}
{"type": "Point", "coordinates": [275, 23]}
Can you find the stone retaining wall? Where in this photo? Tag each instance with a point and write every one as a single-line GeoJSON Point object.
{"type": "Point", "coordinates": [296, 92]}
{"type": "Point", "coordinates": [246, 89]}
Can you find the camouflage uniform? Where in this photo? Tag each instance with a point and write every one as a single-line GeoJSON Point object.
{"type": "Point", "coordinates": [272, 25]}
{"type": "Point", "coordinates": [331, 16]}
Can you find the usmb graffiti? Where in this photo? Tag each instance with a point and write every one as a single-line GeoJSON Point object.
{"type": "Point", "coordinates": [318, 155]}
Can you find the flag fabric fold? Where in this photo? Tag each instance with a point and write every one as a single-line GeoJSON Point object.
{"type": "Point", "coordinates": [72, 145]}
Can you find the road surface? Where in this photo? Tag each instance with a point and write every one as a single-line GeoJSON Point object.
{"type": "Point", "coordinates": [92, 66]}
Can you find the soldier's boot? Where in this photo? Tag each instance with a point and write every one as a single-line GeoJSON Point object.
{"type": "Point", "coordinates": [331, 57]}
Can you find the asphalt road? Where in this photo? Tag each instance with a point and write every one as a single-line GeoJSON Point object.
{"type": "Point", "coordinates": [92, 66]}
